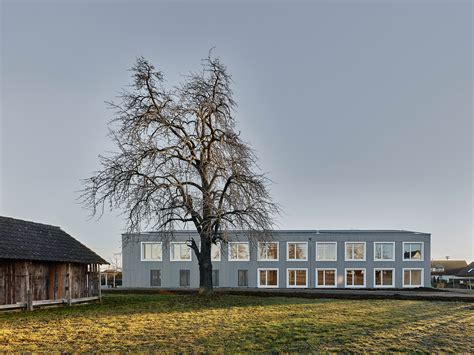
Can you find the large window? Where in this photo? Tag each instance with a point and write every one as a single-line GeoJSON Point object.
{"type": "Point", "coordinates": [184, 278]}
{"type": "Point", "coordinates": [355, 277]}
{"type": "Point", "coordinates": [268, 251]}
{"type": "Point", "coordinates": [384, 278]}
{"type": "Point", "coordinates": [413, 251]}
{"type": "Point", "coordinates": [216, 252]}
{"type": "Point", "coordinates": [155, 277]}
{"type": "Point", "coordinates": [384, 251]}
{"type": "Point", "coordinates": [297, 251]}
{"type": "Point", "coordinates": [326, 278]}
{"type": "Point", "coordinates": [297, 278]}
{"type": "Point", "coordinates": [326, 251]}
{"type": "Point", "coordinates": [180, 251]}
{"type": "Point", "coordinates": [412, 277]}
{"type": "Point", "coordinates": [243, 278]}
{"type": "Point", "coordinates": [151, 251]}
{"type": "Point", "coordinates": [267, 277]}
{"type": "Point", "coordinates": [355, 251]}
{"type": "Point", "coordinates": [239, 251]}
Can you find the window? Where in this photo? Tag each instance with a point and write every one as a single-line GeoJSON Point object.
{"type": "Point", "coordinates": [326, 278]}
{"type": "Point", "coordinates": [384, 278]}
{"type": "Point", "coordinates": [180, 251]}
{"type": "Point", "coordinates": [184, 278]}
{"type": "Point", "coordinates": [326, 251]}
{"type": "Point", "coordinates": [239, 251]}
{"type": "Point", "coordinates": [413, 251]}
{"type": "Point", "coordinates": [267, 277]}
{"type": "Point", "coordinates": [155, 277]}
{"type": "Point", "coordinates": [355, 277]}
{"type": "Point", "coordinates": [355, 251]}
{"type": "Point", "coordinates": [215, 277]}
{"type": "Point", "coordinates": [384, 251]}
{"type": "Point", "coordinates": [215, 251]}
{"type": "Point", "coordinates": [412, 277]}
{"type": "Point", "coordinates": [243, 278]}
{"type": "Point", "coordinates": [151, 251]}
{"type": "Point", "coordinates": [297, 251]}
{"type": "Point", "coordinates": [297, 278]}
{"type": "Point", "coordinates": [268, 251]}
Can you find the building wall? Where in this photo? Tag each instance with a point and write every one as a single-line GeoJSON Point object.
{"type": "Point", "coordinates": [46, 280]}
{"type": "Point", "coordinates": [136, 273]}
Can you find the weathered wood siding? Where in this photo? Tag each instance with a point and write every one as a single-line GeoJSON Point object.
{"type": "Point", "coordinates": [46, 281]}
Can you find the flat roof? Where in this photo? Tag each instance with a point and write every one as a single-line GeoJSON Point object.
{"type": "Point", "coordinates": [306, 231]}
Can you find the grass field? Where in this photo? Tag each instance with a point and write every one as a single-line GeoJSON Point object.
{"type": "Point", "coordinates": [188, 323]}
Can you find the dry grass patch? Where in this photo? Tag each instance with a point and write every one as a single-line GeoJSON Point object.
{"type": "Point", "coordinates": [226, 323]}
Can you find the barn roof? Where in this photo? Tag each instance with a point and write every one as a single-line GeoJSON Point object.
{"type": "Point", "coordinates": [24, 240]}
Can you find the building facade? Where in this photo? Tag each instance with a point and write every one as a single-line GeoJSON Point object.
{"type": "Point", "coordinates": [289, 259]}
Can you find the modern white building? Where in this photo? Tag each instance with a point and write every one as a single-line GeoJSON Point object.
{"type": "Point", "coordinates": [290, 259]}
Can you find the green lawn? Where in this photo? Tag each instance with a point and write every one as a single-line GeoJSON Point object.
{"type": "Point", "coordinates": [241, 324]}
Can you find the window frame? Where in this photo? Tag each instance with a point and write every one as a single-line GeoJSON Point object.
{"type": "Point", "coordinates": [356, 242]}
{"type": "Point", "coordinates": [247, 277]}
{"type": "Point", "coordinates": [394, 251]}
{"type": "Point", "coordinates": [183, 260]}
{"type": "Point", "coordinates": [355, 286]}
{"type": "Point", "coordinates": [159, 272]}
{"type": "Point", "coordinates": [142, 252]}
{"type": "Point", "coordinates": [267, 269]}
{"type": "Point", "coordinates": [316, 251]}
{"type": "Point", "coordinates": [278, 251]}
{"type": "Point", "coordinates": [189, 278]}
{"type": "Point", "coordinates": [288, 251]}
{"type": "Point", "coordinates": [214, 273]}
{"type": "Point", "coordinates": [288, 277]}
{"type": "Point", "coordinates": [230, 254]}
{"type": "Point", "coordinates": [219, 246]}
{"type": "Point", "coordinates": [324, 269]}
{"type": "Point", "coordinates": [417, 269]}
{"type": "Point", "coordinates": [393, 277]}
{"type": "Point", "coordinates": [422, 251]}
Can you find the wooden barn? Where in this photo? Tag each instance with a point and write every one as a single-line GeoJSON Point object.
{"type": "Point", "coordinates": [43, 265]}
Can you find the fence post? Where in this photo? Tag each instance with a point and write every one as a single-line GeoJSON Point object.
{"type": "Point", "coordinates": [99, 283]}
{"type": "Point", "coordinates": [29, 300]}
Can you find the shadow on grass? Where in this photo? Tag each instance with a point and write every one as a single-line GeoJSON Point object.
{"type": "Point", "coordinates": [130, 304]}
{"type": "Point", "coordinates": [224, 323]}
{"type": "Point", "coordinates": [392, 329]}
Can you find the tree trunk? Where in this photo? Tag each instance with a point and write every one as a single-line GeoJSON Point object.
{"type": "Point", "coordinates": [205, 266]}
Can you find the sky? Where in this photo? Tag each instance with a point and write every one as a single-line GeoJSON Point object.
{"type": "Point", "coordinates": [360, 111]}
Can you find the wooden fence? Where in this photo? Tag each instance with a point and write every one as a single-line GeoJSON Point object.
{"type": "Point", "coordinates": [30, 305]}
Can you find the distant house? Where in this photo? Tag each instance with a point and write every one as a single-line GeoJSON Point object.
{"type": "Point", "coordinates": [466, 275]}
{"type": "Point", "coordinates": [41, 264]}
{"type": "Point", "coordinates": [111, 277]}
{"type": "Point", "coordinates": [446, 270]}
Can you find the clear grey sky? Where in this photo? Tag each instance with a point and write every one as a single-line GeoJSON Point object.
{"type": "Point", "coordinates": [361, 112]}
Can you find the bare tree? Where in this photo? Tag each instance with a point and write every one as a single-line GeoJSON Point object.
{"type": "Point", "coordinates": [180, 161]}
